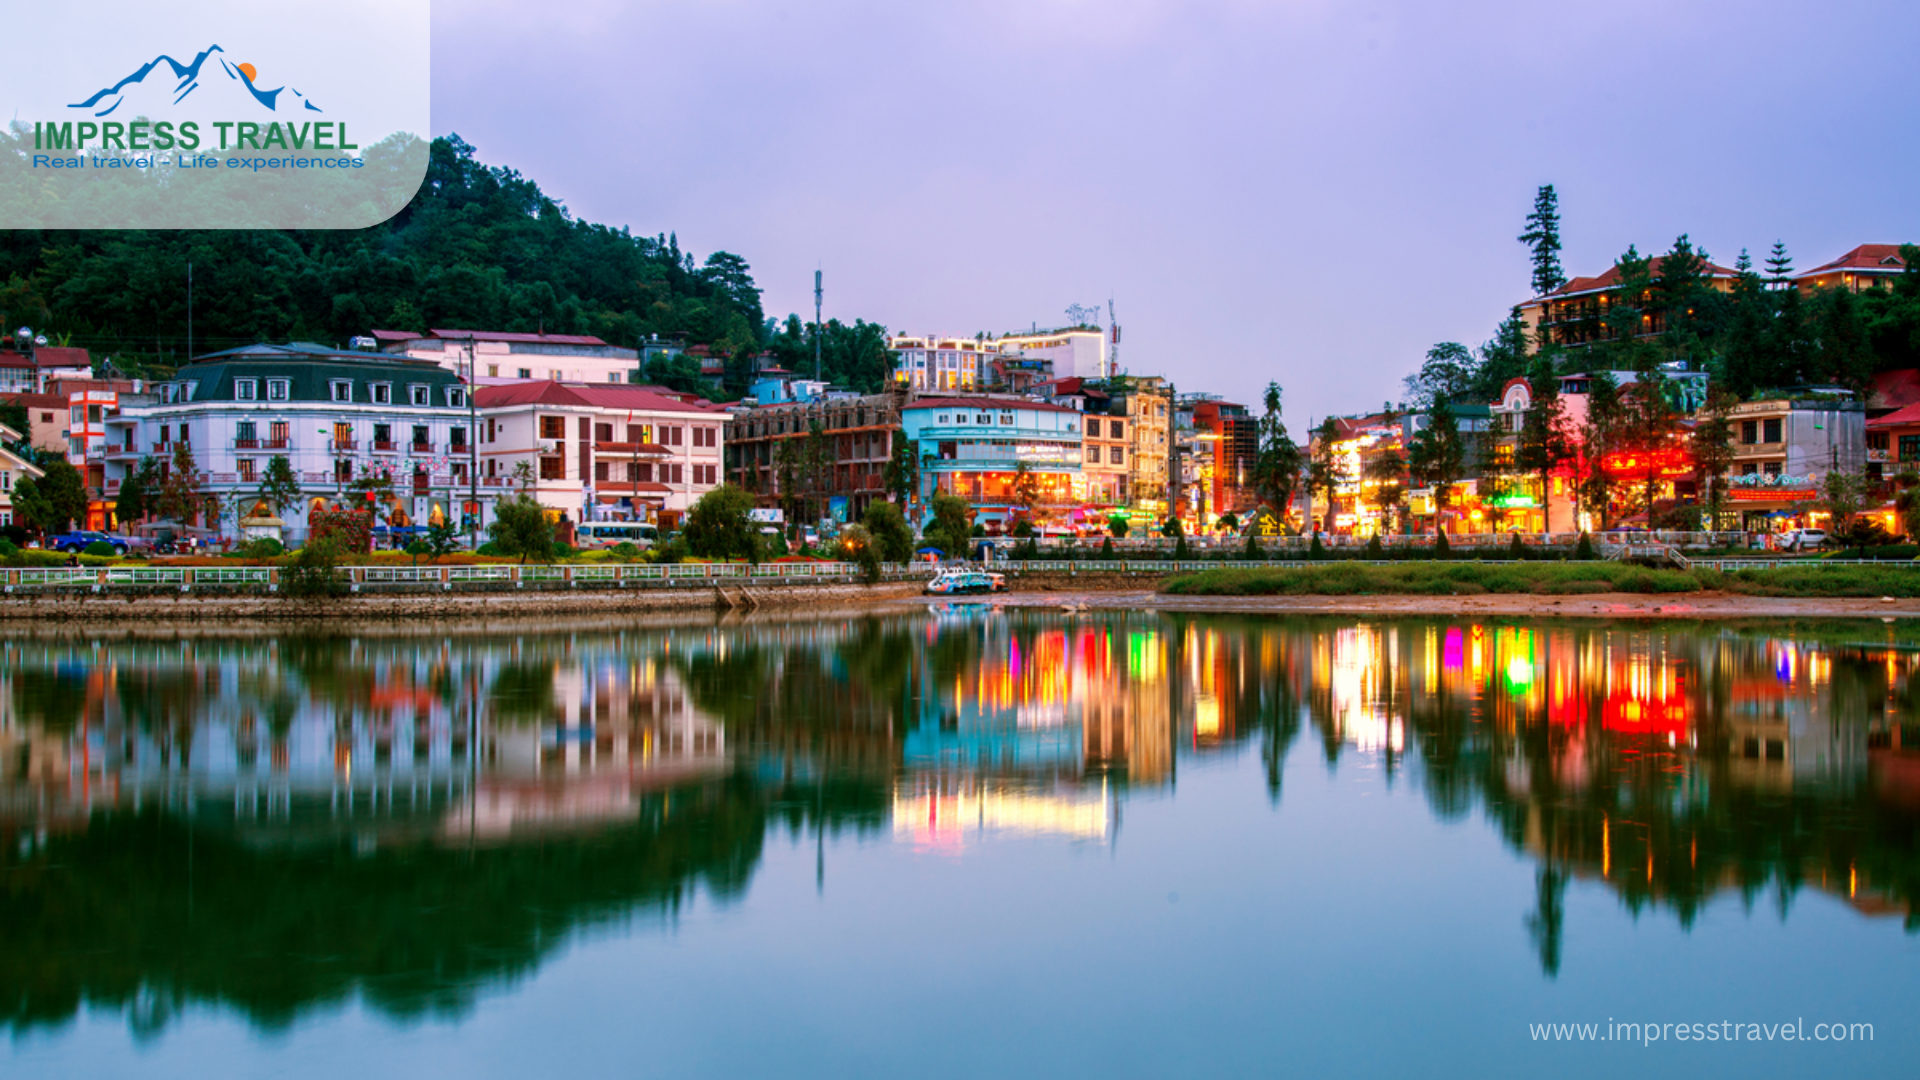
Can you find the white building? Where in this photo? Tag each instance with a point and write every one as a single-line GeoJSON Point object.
{"type": "Point", "coordinates": [600, 452]}
{"type": "Point", "coordinates": [22, 373]}
{"type": "Point", "coordinates": [1077, 352]}
{"type": "Point", "coordinates": [337, 417]}
{"type": "Point", "coordinates": [499, 356]}
{"type": "Point", "coordinates": [13, 467]}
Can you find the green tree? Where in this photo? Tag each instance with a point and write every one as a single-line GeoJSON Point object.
{"type": "Point", "coordinates": [1503, 359]}
{"type": "Point", "coordinates": [1388, 471]}
{"type": "Point", "coordinates": [1779, 266]}
{"type": "Point", "coordinates": [902, 475]}
{"type": "Point", "coordinates": [1713, 451]}
{"type": "Point", "coordinates": [1118, 526]}
{"type": "Point", "coordinates": [1647, 425]}
{"type": "Point", "coordinates": [181, 496]}
{"type": "Point", "coordinates": [442, 540]}
{"type": "Point", "coordinates": [1324, 474]}
{"type": "Point", "coordinates": [1600, 435]}
{"type": "Point", "coordinates": [1276, 469]}
{"type": "Point", "coordinates": [892, 536]}
{"type": "Point", "coordinates": [1543, 444]}
{"type": "Point", "coordinates": [279, 486]}
{"type": "Point", "coordinates": [1543, 238]}
{"type": "Point", "coordinates": [1449, 371]}
{"type": "Point", "coordinates": [520, 527]}
{"type": "Point", "coordinates": [719, 525]}
{"type": "Point", "coordinates": [1843, 494]}
{"type": "Point", "coordinates": [950, 528]}
{"type": "Point", "coordinates": [1437, 456]}
{"type": "Point", "coordinates": [858, 547]}
{"type": "Point", "coordinates": [135, 498]}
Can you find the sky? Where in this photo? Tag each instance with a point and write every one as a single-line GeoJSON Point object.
{"type": "Point", "coordinates": [1310, 192]}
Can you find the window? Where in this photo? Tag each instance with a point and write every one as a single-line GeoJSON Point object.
{"type": "Point", "coordinates": [553, 427]}
{"type": "Point", "coordinates": [187, 392]}
{"type": "Point", "coordinates": [418, 394]}
{"type": "Point", "coordinates": [960, 419]}
{"type": "Point", "coordinates": [603, 433]}
{"type": "Point", "coordinates": [1876, 440]}
{"type": "Point", "coordinates": [244, 433]}
{"type": "Point", "coordinates": [553, 468]}
{"type": "Point", "coordinates": [943, 418]}
{"type": "Point", "coordinates": [456, 398]}
{"type": "Point", "coordinates": [246, 389]}
{"type": "Point", "coordinates": [1772, 468]}
{"type": "Point", "coordinates": [340, 390]}
{"type": "Point", "coordinates": [642, 473]}
{"type": "Point", "coordinates": [279, 389]}
{"type": "Point", "coordinates": [678, 476]}
{"type": "Point", "coordinates": [277, 433]}
{"type": "Point", "coordinates": [343, 435]}
{"type": "Point", "coordinates": [422, 439]}
{"type": "Point", "coordinates": [168, 395]}
{"type": "Point", "coordinates": [1116, 455]}
{"type": "Point", "coordinates": [983, 418]}
{"type": "Point", "coordinates": [342, 471]}
{"type": "Point", "coordinates": [247, 474]}
{"type": "Point", "coordinates": [599, 470]}
{"type": "Point", "coordinates": [674, 435]}
{"type": "Point", "coordinates": [77, 416]}
{"type": "Point", "coordinates": [493, 371]}
{"type": "Point", "coordinates": [382, 436]}
{"type": "Point", "coordinates": [1910, 448]}
{"type": "Point", "coordinates": [525, 373]}
{"type": "Point", "coordinates": [1749, 469]}
{"type": "Point", "coordinates": [1006, 419]}
{"type": "Point", "coordinates": [166, 434]}
{"type": "Point", "coordinates": [1093, 454]}
{"type": "Point", "coordinates": [457, 438]}
{"type": "Point", "coordinates": [1771, 429]}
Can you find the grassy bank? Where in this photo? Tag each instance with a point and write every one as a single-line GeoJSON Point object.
{"type": "Point", "coordinates": [1546, 579]}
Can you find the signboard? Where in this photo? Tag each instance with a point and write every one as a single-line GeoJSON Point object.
{"type": "Point", "coordinates": [773, 516]}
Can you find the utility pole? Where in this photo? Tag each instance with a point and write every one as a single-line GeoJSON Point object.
{"type": "Point", "coordinates": [473, 446]}
{"type": "Point", "coordinates": [819, 328]}
{"type": "Point", "coordinates": [189, 312]}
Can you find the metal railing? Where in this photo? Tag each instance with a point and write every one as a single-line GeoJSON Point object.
{"type": "Point", "coordinates": [495, 575]}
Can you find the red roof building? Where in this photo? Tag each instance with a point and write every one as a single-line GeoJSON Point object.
{"type": "Point", "coordinates": [1865, 267]}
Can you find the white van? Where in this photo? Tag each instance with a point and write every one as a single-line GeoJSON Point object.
{"type": "Point", "coordinates": [605, 534]}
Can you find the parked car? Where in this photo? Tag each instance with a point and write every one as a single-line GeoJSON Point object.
{"type": "Point", "coordinates": [77, 541]}
{"type": "Point", "coordinates": [957, 582]}
{"type": "Point", "coordinates": [1804, 539]}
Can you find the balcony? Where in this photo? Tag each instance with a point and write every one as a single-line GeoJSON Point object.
{"type": "Point", "coordinates": [421, 448]}
{"type": "Point", "coordinates": [246, 444]}
{"type": "Point", "coordinates": [632, 449]}
{"type": "Point", "coordinates": [385, 446]}
{"type": "Point", "coordinates": [496, 481]}
{"type": "Point", "coordinates": [346, 444]}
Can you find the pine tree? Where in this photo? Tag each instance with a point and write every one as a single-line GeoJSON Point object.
{"type": "Point", "coordinates": [1543, 236]}
{"type": "Point", "coordinates": [1779, 266]}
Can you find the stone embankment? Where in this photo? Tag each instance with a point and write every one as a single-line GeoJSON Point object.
{"type": "Point", "coordinates": [47, 610]}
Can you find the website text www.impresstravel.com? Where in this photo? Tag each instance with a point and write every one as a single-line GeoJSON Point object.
{"type": "Point", "coordinates": [1646, 1034]}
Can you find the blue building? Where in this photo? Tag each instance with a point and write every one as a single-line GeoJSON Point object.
{"type": "Point", "coordinates": [972, 447]}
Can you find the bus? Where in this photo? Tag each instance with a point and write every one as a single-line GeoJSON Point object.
{"type": "Point", "coordinates": [605, 534]}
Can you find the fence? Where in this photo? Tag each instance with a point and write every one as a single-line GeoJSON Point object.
{"type": "Point", "coordinates": [445, 578]}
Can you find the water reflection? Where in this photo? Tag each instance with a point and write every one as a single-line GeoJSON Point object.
{"type": "Point", "coordinates": [282, 825]}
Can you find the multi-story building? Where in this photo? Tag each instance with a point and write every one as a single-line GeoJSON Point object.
{"type": "Point", "coordinates": [942, 364]}
{"type": "Point", "coordinates": [337, 417]}
{"type": "Point", "coordinates": [13, 466]}
{"type": "Point", "coordinates": [1575, 313]}
{"type": "Point", "coordinates": [597, 452]}
{"type": "Point", "coordinates": [1233, 437]}
{"type": "Point", "coordinates": [28, 372]}
{"type": "Point", "coordinates": [1869, 266]}
{"type": "Point", "coordinates": [856, 438]}
{"type": "Point", "coordinates": [1147, 403]}
{"type": "Point", "coordinates": [1077, 352]}
{"type": "Point", "coordinates": [1782, 450]}
{"type": "Point", "coordinates": [1106, 473]}
{"type": "Point", "coordinates": [501, 356]}
{"type": "Point", "coordinates": [975, 447]}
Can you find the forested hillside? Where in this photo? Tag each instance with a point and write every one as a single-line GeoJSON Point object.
{"type": "Point", "coordinates": [480, 246]}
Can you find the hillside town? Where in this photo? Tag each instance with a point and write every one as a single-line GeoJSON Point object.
{"type": "Point", "coordinates": [1040, 433]}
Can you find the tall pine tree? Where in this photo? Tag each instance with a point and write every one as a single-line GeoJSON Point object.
{"type": "Point", "coordinates": [1543, 236]}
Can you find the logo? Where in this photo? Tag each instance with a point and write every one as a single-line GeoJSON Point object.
{"type": "Point", "coordinates": [226, 80]}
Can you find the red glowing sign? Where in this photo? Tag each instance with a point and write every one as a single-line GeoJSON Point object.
{"type": "Point", "coordinates": [1625, 712]}
{"type": "Point", "coordinates": [1668, 463]}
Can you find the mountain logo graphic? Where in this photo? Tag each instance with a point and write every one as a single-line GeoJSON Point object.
{"type": "Point", "coordinates": [222, 81]}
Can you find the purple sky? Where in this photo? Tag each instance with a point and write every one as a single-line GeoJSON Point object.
{"type": "Point", "coordinates": [1313, 192]}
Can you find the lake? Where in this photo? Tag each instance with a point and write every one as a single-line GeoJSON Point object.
{"type": "Point", "coordinates": [965, 840]}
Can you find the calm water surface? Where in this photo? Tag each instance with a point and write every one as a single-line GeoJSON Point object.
{"type": "Point", "coordinates": [962, 842]}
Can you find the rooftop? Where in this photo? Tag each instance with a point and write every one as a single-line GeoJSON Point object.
{"type": "Point", "coordinates": [589, 395]}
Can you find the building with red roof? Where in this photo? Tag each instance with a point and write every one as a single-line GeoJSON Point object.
{"type": "Point", "coordinates": [1868, 266]}
{"type": "Point", "coordinates": [597, 452]}
{"type": "Point", "coordinates": [1574, 314]}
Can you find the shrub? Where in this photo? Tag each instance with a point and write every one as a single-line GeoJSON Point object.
{"type": "Point", "coordinates": [1583, 551]}
{"type": "Point", "coordinates": [99, 548]}
{"type": "Point", "coordinates": [1375, 549]}
{"type": "Point", "coordinates": [625, 549]}
{"type": "Point", "coordinates": [1181, 552]}
{"type": "Point", "coordinates": [520, 527]}
{"type": "Point", "coordinates": [1315, 552]}
{"type": "Point", "coordinates": [1253, 550]}
{"type": "Point", "coordinates": [1516, 549]}
{"type": "Point", "coordinates": [891, 533]}
{"type": "Point", "coordinates": [1106, 549]}
{"type": "Point", "coordinates": [8, 549]}
{"type": "Point", "coordinates": [1117, 526]}
{"type": "Point", "coordinates": [311, 573]}
{"type": "Point", "coordinates": [264, 548]}
{"type": "Point", "coordinates": [1441, 549]}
